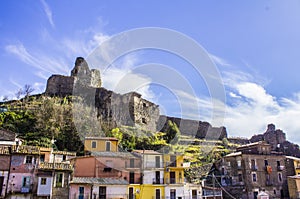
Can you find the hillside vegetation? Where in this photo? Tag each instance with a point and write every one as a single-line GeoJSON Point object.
{"type": "Point", "coordinates": [40, 119]}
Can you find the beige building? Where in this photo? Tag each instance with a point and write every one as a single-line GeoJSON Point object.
{"type": "Point", "coordinates": [251, 169]}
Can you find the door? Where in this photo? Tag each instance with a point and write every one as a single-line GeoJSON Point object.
{"type": "Point", "coordinates": [81, 193]}
{"type": "Point", "coordinates": [172, 177]}
{"type": "Point", "coordinates": [173, 194]}
{"type": "Point", "coordinates": [102, 192]}
{"type": "Point", "coordinates": [1, 184]}
{"type": "Point", "coordinates": [157, 177]}
{"type": "Point", "coordinates": [157, 194]}
{"type": "Point", "coordinates": [131, 178]}
{"type": "Point", "coordinates": [130, 193]}
{"type": "Point", "coordinates": [194, 194]}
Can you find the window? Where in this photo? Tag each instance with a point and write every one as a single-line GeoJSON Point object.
{"type": "Point", "coordinates": [157, 161]}
{"type": "Point", "coordinates": [131, 163]}
{"type": "Point", "coordinates": [278, 163]}
{"type": "Point", "coordinates": [254, 177]}
{"type": "Point", "coordinates": [26, 182]}
{"type": "Point", "coordinates": [42, 158]}
{"type": "Point", "coordinates": [144, 121]}
{"type": "Point", "coordinates": [240, 177]}
{"type": "Point", "coordinates": [28, 160]}
{"type": "Point", "coordinates": [94, 144]}
{"type": "Point", "coordinates": [228, 164]}
{"type": "Point", "coordinates": [239, 163]}
{"type": "Point", "coordinates": [253, 165]}
{"type": "Point", "coordinates": [107, 146]}
{"type": "Point", "coordinates": [280, 177]}
{"type": "Point", "coordinates": [59, 180]}
{"type": "Point", "coordinates": [64, 157]}
{"type": "Point", "coordinates": [81, 193]}
{"type": "Point", "coordinates": [266, 163]}
{"type": "Point", "coordinates": [43, 181]}
{"type": "Point", "coordinates": [274, 191]}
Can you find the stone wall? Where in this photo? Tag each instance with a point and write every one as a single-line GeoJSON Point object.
{"type": "Point", "coordinates": [193, 128]}
{"type": "Point", "coordinates": [60, 85]}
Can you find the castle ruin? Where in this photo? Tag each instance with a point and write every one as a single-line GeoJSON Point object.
{"type": "Point", "coordinates": [128, 109]}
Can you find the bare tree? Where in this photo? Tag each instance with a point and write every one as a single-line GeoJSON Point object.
{"type": "Point", "coordinates": [19, 93]}
{"type": "Point", "coordinates": [28, 89]}
{"type": "Point", "coordinates": [5, 98]}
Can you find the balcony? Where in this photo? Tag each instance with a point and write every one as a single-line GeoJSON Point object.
{"type": "Point", "coordinates": [25, 149]}
{"type": "Point", "coordinates": [254, 168]}
{"type": "Point", "coordinates": [269, 183]}
{"type": "Point", "coordinates": [158, 181]}
{"type": "Point", "coordinates": [239, 167]}
{"type": "Point", "coordinates": [174, 181]}
{"type": "Point", "coordinates": [280, 168]}
{"type": "Point", "coordinates": [55, 166]}
{"type": "Point", "coordinates": [4, 150]}
{"type": "Point", "coordinates": [152, 165]}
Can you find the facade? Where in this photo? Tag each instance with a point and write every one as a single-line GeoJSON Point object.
{"type": "Point", "coordinates": [254, 167]}
{"type": "Point", "coordinates": [32, 172]}
{"type": "Point", "coordinates": [294, 186]}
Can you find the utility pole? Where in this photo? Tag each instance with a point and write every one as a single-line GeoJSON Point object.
{"type": "Point", "coordinates": [214, 185]}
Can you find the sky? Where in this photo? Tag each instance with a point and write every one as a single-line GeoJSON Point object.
{"type": "Point", "coordinates": [254, 45]}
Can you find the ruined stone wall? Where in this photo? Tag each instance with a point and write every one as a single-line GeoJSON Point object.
{"type": "Point", "coordinates": [145, 113]}
{"type": "Point", "coordinates": [193, 128]}
{"type": "Point", "coordinates": [60, 85]}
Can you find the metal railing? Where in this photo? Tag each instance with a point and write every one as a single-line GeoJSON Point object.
{"type": "Point", "coordinates": [55, 166]}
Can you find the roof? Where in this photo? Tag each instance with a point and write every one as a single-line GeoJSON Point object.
{"type": "Point", "coordinates": [101, 181]}
{"type": "Point", "coordinates": [293, 158]}
{"type": "Point", "coordinates": [294, 177]}
{"type": "Point", "coordinates": [150, 152]}
{"type": "Point", "coordinates": [234, 154]}
{"type": "Point", "coordinates": [101, 138]}
{"type": "Point", "coordinates": [254, 144]}
{"type": "Point", "coordinates": [112, 154]}
{"type": "Point", "coordinates": [7, 135]}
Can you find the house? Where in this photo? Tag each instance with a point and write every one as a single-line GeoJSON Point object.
{"type": "Point", "coordinates": [96, 144]}
{"type": "Point", "coordinates": [102, 166]}
{"type": "Point", "coordinates": [53, 173]}
{"type": "Point", "coordinates": [98, 188]}
{"type": "Point", "coordinates": [22, 182]}
{"type": "Point", "coordinates": [252, 168]}
{"type": "Point", "coordinates": [292, 165]}
{"type": "Point", "coordinates": [153, 181]}
{"type": "Point", "coordinates": [294, 186]}
{"type": "Point", "coordinates": [174, 176]}
{"type": "Point", "coordinates": [4, 169]}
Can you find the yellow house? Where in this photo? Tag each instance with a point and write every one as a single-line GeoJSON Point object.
{"type": "Point", "coordinates": [174, 167]}
{"type": "Point", "coordinates": [294, 186]}
{"type": "Point", "coordinates": [99, 144]}
{"type": "Point", "coordinates": [295, 163]}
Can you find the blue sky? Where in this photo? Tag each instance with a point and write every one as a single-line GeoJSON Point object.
{"type": "Point", "coordinates": [254, 44]}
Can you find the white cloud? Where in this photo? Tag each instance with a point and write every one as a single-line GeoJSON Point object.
{"type": "Point", "coordinates": [48, 13]}
{"type": "Point", "coordinates": [38, 60]}
{"type": "Point", "coordinates": [218, 60]}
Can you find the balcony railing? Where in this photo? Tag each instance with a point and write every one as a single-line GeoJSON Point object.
{"type": "Point", "coordinates": [96, 196]}
{"type": "Point", "coordinates": [158, 181]}
{"type": "Point", "coordinates": [269, 183]}
{"type": "Point", "coordinates": [4, 150]}
{"type": "Point", "coordinates": [254, 168]}
{"type": "Point", "coordinates": [174, 181]}
{"type": "Point", "coordinates": [25, 149]}
{"type": "Point", "coordinates": [149, 165]}
{"type": "Point", "coordinates": [55, 166]}
{"type": "Point", "coordinates": [280, 168]}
